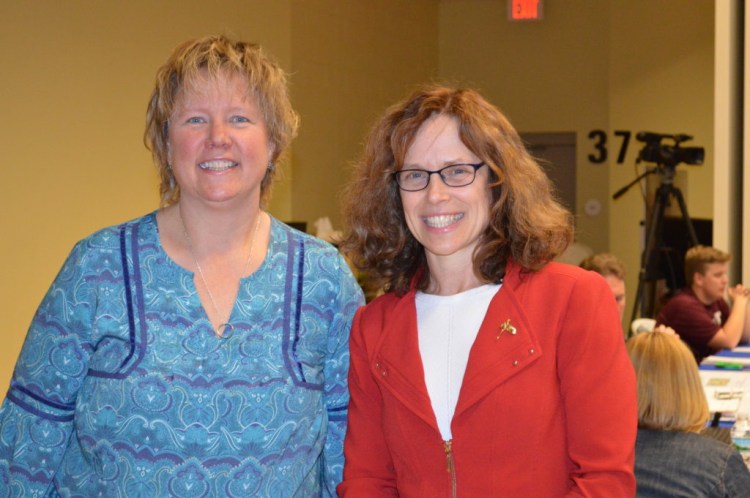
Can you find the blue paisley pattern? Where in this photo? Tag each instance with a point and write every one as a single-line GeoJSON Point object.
{"type": "Point", "coordinates": [123, 390]}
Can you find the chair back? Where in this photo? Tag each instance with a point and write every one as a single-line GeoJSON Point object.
{"type": "Point", "coordinates": [642, 325]}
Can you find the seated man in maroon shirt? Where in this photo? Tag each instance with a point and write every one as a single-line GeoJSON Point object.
{"type": "Point", "coordinates": [699, 313]}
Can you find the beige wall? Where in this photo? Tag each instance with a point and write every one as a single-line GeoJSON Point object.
{"type": "Point", "coordinates": [629, 65]}
{"type": "Point", "coordinates": [350, 60]}
{"type": "Point", "coordinates": [548, 76]}
{"type": "Point", "coordinates": [76, 75]}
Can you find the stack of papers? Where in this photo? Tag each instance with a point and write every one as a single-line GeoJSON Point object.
{"type": "Point", "coordinates": [727, 392]}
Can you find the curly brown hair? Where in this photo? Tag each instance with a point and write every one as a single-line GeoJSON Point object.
{"type": "Point", "coordinates": [218, 57]}
{"type": "Point", "coordinates": [526, 223]}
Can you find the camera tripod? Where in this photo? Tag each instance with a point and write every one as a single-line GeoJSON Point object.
{"type": "Point", "coordinates": [654, 244]}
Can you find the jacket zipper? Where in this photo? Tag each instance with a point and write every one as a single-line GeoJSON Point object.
{"type": "Point", "coordinates": [450, 465]}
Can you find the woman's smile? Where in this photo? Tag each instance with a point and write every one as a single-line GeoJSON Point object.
{"type": "Point", "coordinates": [443, 220]}
{"type": "Point", "coordinates": [217, 165]}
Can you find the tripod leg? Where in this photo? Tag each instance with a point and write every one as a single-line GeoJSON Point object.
{"type": "Point", "coordinates": [653, 232]}
{"type": "Point", "coordinates": [677, 194]}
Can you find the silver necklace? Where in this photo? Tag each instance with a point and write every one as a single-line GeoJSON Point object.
{"type": "Point", "coordinates": [225, 329]}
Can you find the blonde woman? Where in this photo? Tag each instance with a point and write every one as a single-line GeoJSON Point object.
{"type": "Point", "coordinates": [201, 349]}
{"type": "Point", "coordinates": [671, 458]}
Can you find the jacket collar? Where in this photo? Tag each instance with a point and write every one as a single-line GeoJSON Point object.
{"type": "Point", "coordinates": [505, 345]}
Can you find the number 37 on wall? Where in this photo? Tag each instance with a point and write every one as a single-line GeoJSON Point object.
{"type": "Point", "coordinates": [601, 151]}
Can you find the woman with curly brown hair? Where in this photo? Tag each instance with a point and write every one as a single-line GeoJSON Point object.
{"type": "Point", "coordinates": [484, 370]}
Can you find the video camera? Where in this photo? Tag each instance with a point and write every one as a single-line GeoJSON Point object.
{"type": "Point", "coordinates": [668, 154]}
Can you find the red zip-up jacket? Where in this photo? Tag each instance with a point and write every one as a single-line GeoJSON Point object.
{"type": "Point", "coordinates": [547, 408]}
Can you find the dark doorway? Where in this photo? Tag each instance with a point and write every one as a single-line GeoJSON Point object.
{"type": "Point", "coordinates": [556, 153]}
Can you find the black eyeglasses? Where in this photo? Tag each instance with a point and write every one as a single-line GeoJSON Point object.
{"type": "Point", "coordinates": [453, 175]}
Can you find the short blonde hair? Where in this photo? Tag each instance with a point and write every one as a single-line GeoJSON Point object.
{"type": "Point", "coordinates": [219, 57]}
{"type": "Point", "coordinates": [605, 264]}
{"type": "Point", "coordinates": [670, 391]}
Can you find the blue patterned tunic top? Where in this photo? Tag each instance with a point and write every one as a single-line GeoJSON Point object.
{"type": "Point", "coordinates": [123, 390]}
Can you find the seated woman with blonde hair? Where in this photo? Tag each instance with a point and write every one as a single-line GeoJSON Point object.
{"type": "Point", "coordinates": [671, 458]}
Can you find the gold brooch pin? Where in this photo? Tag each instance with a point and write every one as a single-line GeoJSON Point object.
{"type": "Point", "coordinates": [506, 327]}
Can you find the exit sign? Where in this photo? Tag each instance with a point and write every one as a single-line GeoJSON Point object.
{"type": "Point", "coordinates": [525, 10]}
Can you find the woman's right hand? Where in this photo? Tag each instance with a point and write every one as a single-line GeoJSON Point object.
{"type": "Point", "coordinates": [666, 330]}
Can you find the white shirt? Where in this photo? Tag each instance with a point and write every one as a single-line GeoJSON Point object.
{"type": "Point", "coordinates": [447, 327]}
